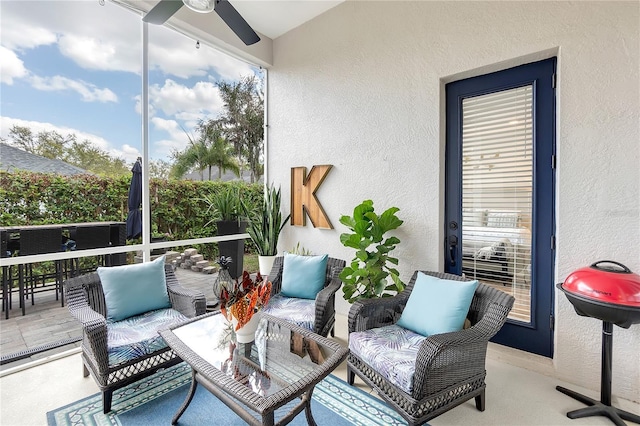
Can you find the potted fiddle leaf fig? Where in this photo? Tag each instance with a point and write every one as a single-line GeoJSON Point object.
{"type": "Point", "coordinates": [371, 273]}
{"type": "Point", "coordinates": [225, 207]}
{"type": "Point", "coordinates": [265, 225]}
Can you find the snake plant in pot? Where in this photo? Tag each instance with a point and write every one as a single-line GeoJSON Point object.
{"type": "Point", "coordinates": [226, 209]}
{"type": "Point", "coordinates": [371, 273]}
{"type": "Point", "coordinates": [265, 225]}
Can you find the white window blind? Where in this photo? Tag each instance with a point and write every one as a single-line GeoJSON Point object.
{"type": "Point", "coordinates": [497, 172]}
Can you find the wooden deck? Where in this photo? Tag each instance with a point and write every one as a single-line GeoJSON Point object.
{"type": "Point", "coordinates": [46, 323]}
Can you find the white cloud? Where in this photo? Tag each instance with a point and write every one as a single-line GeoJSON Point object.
{"type": "Point", "coordinates": [129, 153]}
{"type": "Point", "coordinates": [91, 36]}
{"type": "Point", "coordinates": [176, 54]}
{"type": "Point", "coordinates": [126, 152]}
{"type": "Point", "coordinates": [10, 66]}
{"type": "Point", "coordinates": [203, 100]}
{"type": "Point", "coordinates": [7, 122]}
{"type": "Point", "coordinates": [177, 140]}
{"type": "Point", "coordinates": [107, 38]}
{"type": "Point", "coordinates": [87, 91]}
{"type": "Point", "coordinates": [99, 54]}
{"type": "Point", "coordinates": [18, 31]}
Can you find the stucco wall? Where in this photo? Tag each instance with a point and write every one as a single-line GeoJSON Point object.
{"type": "Point", "coordinates": [361, 88]}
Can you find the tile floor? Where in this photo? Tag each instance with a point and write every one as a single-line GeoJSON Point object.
{"type": "Point", "coordinates": [515, 395]}
{"type": "Point", "coordinates": [520, 386]}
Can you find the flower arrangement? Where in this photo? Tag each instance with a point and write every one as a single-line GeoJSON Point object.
{"type": "Point", "coordinates": [245, 298]}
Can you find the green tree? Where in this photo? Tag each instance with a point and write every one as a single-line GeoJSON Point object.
{"type": "Point", "coordinates": [159, 169]}
{"type": "Point", "coordinates": [220, 152]}
{"type": "Point", "coordinates": [208, 150]}
{"type": "Point", "coordinates": [87, 156]}
{"type": "Point", "coordinates": [50, 144]}
{"type": "Point", "coordinates": [242, 121]}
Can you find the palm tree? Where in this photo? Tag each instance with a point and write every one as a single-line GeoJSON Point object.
{"type": "Point", "coordinates": [220, 153]}
{"type": "Point", "coordinates": [209, 150]}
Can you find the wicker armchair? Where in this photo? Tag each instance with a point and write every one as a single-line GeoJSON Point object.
{"type": "Point", "coordinates": [449, 367]}
{"type": "Point", "coordinates": [325, 302]}
{"type": "Point", "coordinates": [86, 302]}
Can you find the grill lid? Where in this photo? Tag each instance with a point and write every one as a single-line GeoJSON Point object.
{"type": "Point", "coordinates": [613, 284]}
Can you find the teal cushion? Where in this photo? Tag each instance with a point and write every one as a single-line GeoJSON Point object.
{"type": "Point", "coordinates": [436, 305]}
{"type": "Point", "coordinates": [303, 276]}
{"type": "Point", "coordinates": [131, 290]}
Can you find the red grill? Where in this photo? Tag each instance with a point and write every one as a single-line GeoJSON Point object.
{"type": "Point", "coordinates": [608, 291]}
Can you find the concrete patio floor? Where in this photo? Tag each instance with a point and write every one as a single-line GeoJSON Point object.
{"type": "Point", "coordinates": [47, 322]}
{"type": "Point", "coordinates": [520, 386]}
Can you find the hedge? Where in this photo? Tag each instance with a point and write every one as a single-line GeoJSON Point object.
{"type": "Point", "coordinates": [177, 209]}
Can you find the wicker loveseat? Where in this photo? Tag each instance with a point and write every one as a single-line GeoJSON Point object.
{"type": "Point", "coordinates": [449, 368]}
{"type": "Point", "coordinates": [117, 353]}
{"type": "Point", "coordinates": [317, 315]}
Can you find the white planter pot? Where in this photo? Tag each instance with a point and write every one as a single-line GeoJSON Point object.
{"type": "Point", "coordinates": [247, 333]}
{"type": "Point", "coordinates": [266, 263]}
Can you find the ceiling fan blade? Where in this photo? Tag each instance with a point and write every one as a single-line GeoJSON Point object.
{"type": "Point", "coordinates": [162, 11]}
{"type": "Point", "coordinates": [238, 25]}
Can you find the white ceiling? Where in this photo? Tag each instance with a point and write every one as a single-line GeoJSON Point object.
{"type": "Point", "coordinates": [271, 18]}
{"type": "Point", "coordinates": [274, 18]}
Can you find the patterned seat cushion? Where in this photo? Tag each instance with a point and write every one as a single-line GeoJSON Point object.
{"type": "Point", "coordinates": [390, 350]}
{"type": "Point", "coordinates": [301, 312]}
{"type": "Point", "coordinates": [138, 336]}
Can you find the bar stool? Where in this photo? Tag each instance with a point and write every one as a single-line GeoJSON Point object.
{"type": "Point", "coordinates": [39, 241]}
{"type": "Point", "coordinates": [89, 237]}
{"type": "Point", "coordinates": [6, 250]}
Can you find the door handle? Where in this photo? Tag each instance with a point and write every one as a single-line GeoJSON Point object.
{"type": "Point", "coordinates": [453, 244]}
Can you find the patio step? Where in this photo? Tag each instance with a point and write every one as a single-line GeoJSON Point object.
{"type": "Point", "coordinates": [190, 252]}
{"type": "Point", "coordinates": [199, 265]}
{"type": "Point", "coordinates": [209, 270]}
{"type": "Point", "coordinates": [192, 260]}
{"type": "Point", "coordinates": [170, 256]}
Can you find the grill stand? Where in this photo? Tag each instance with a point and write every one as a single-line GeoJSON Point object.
{"type": "Point", "coordinates": [602, 407]}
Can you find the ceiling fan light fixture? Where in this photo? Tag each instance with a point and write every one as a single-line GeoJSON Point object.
{"type": "Point", "coordinates": [200, 6]}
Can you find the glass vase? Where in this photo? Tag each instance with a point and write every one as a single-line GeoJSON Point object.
{"type": "Point", "coordinates": [224, 280]}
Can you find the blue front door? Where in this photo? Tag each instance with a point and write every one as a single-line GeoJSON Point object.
{"type": "Point", "coordinates": [500, 185]}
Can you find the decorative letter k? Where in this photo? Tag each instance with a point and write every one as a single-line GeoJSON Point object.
{"type": "Point", "coordinates": [303, 196]}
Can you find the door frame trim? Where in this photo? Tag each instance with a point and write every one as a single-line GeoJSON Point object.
{"type": "Point", "coordinates": [543, 190]}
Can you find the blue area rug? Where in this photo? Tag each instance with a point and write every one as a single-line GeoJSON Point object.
{"type": "Point", "coordinates": [154, 401]}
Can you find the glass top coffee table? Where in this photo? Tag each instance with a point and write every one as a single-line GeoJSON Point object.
{"type": "Point", "coordinates": [282, 364]}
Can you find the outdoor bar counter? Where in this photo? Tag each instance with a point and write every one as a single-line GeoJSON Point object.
{"type": "Point", "coordinates": [26, 240]}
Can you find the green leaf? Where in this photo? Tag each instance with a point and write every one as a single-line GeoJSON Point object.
{"type": "Point", "coordinates": [379, 287]}
{"type": "Point", "coordinates": [391, 241]}
{"type": "Point", "coordinates": [347, 221]}
{"type": "Point", "coordinates": [368, 274]}
{"type": "Point", "coordinates": [392, 260]}
{"type": "Point", "coordinates": [361, 227]}
{"type": "Point", "coordinates": [393, 271]}
{"type": "Point", "coordinates": [389, 220]}
{"type": "Point", "coordinates": [383, 249]}
{"type": "Point", "coordinates": [350, 240]}
{"type": "Point", "coordinates": [360, 210]}
{"type": "Point", "coordinates": [399, 284]}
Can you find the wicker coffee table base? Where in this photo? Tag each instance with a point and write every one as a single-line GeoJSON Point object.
{"type": "Point", "coordinates": [268, 418]}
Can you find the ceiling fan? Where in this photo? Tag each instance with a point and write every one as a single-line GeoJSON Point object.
{"type": "Point", "coordinates": [166, 8]}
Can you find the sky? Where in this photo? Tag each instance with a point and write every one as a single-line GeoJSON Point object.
{"type": "Point", "coordinates": [75, 67]}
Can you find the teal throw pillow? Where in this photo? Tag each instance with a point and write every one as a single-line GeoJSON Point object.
{"type": "Point", "coordinates": [303, 276]}
{"type": "Point", "coordinates": [437, 305]}
{"type": "Point", "coordinates": [131, 290]}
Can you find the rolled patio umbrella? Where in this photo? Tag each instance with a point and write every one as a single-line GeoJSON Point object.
{"type": "Point", "coordinates": [134, 217]}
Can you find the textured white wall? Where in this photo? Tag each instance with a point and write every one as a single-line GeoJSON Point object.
{"type": "Point", "coordinates": [361, 88]}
